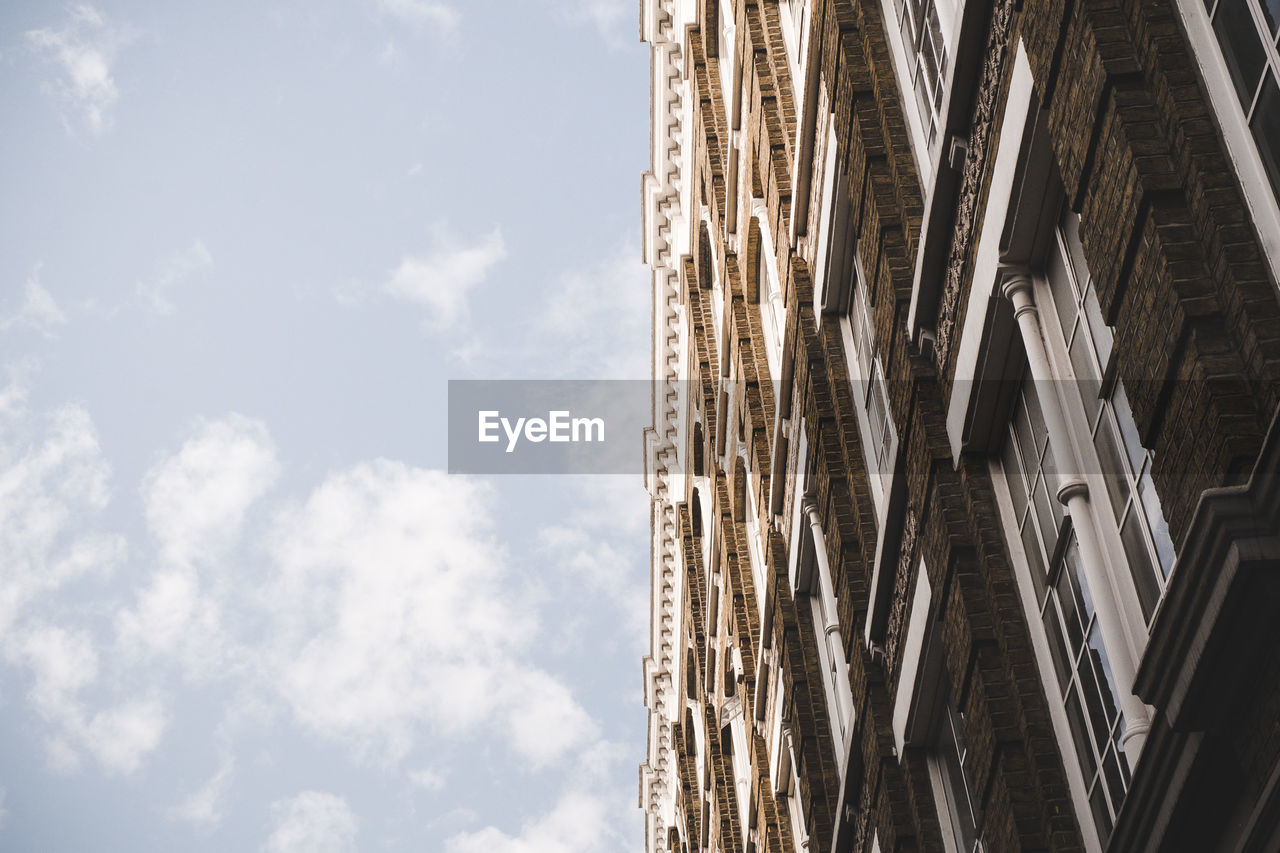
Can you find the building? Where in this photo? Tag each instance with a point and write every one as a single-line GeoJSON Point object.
{"type": "Point", "coordinates": [966, 521]}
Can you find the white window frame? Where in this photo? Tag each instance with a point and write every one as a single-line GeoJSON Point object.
{"type": "Point", "coordinates": [944, 793]}
{"type": "Point", "coordinates": [1123, 584]}
{"type": "Point", "coordinates": [1044, 658]}
{"type": "Point", "coordinates": [869, 379]}
{"type": "Point", "coordinates": [755, 548]}
{"type": "Point", "coordinates": [725, 49]}
{"type": "Point", "coordinates": [795, 32]}
{"type": "Point", "coordinates": [1263, 205]}
{"type": "Point", "coordinates": [904, 65]}
{"type": "Point", "coordinates": [772, 305]}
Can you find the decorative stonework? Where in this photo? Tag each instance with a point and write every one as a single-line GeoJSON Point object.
{"type": "Point", "coordinates": [975, 166]}
{"type": "Point", "coordinates": [901, 583]}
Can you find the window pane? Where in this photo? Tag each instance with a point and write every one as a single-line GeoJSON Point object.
{"type": "Point", "coordinates": [1271, 11]}
{"type": "Point", "coordinates": [1080, 734]}
{"type": "Point", "coordinates": [935, 35]}
{"type": "Point", "coordinates": [1128, 429]}
{"type": "Point", "coordinates": [922, 95]}
{"type": "Point", "coordinates": [1098, 805]}
{"type": "Point", "coordinates": [1114, 776]}
{"type": "Point", "coordinates": [1014, 478]}
{"type": "Point", "coordinates": [1094, 701]}
{"type": "Point", "coordinates": [1027, 445]}
{"type": "Point", "coordinates": [928, 59]}
{"type": "Point", "coordinates": [1073, 619]}
{"type": "Point", "coordinates": [1241, 47]}
{"type": "Point", "coordinates": [1075, 248]}
{"type": "Point", "coordinates": [1124, 759]}
{"type": "Point", "coordinates": [1144, 574]}
{"type": "Point", "coordinates": [1032, 397]}
{"type": "Point", "coordinates": [1106, 679]}
{"type": "Point", "coordinates": [1266, 131]}
{"type": "Point", "coordinates": [1061, 657]}
{"type": "Point", "coordinates": [1113, 470]}
{"type": "Point", "coordinates": [1098, 327]}
{"type": "Point", "coordinates": [1155, 522]}
{"type": "Point", "coordinates": [1046, 518]}
{"type": "Point", "coordinates": [1049, 466]}
{"type": "Point", "coordinates": [1087, 374]}
{"type": "Point", "coordinates": [1069, 603]}
{"type": "Point", "coordinates": [1031, 544]}
{"type": "Point", "coordinates": [1071, 564]}
{"type": "Point", "coordinates": [1064, 292]}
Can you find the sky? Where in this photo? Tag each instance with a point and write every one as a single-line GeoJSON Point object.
{"type": "Point", "coordinates": [243, 248]}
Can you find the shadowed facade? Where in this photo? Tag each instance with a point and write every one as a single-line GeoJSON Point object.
{"type": "Point", "coordinates": [966, 523]}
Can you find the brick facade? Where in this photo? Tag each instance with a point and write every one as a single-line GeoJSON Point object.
{"type": "Point", "coordinates": [758, 434]}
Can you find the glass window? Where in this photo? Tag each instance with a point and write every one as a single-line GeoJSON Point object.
{"type": "Point", "coordinates": [960, 815]}
{"type": "Point", "coordinates": [1079, 345]}
{"type": "Point", "coordinates": [871, 393]}
{"type": "Point", "coordinates": [924, 26]}
{"type": "Point", "coordinates": [1125, 463]}
{"type": "Point", "coordinates": [1084, 670]}
{"type": "Point", "coordinates": [1247, 32]}
{"type": "Point", "coordinates": [794, 30]}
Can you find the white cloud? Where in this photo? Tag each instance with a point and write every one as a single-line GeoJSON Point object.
{"type": "Point", "coordinates": [543, 720]}
{"type": "Point", "coordinates": [64, 662]}
{"type": "Point", "coordinates": [83, 49]}
{"type": "Point", "coordinates": [53, 482]}
{"type": "Point", "coordinates": [174, 616]}
{"type": "Point", "coordinates": [4, 813]}
{"type": "Point", "coordinates": [394, 611]}
{"type": "Point", "coordinates": [595, 544]}
{"type": "Point", "coordinates": [604, 567]}
{"type": "Point", "coordinates": [428, 779]}
{"type": "Point", "coordinates": [39, 310]}
{"type": "Point", "coordinates": [204, 806]}
{"type": "Point", "coordinates": [177, 269]}
{"type": "Point", "coordinates": [196, 500]}
{"type": "Point", "coordinates": [120, 737]}
{"type": "Point", "coordinates": [580, 823]}
{"type": "Point", "coordinates": [312, 822]}
{"type": "Point", "coordinates": [596, 321]}
{"type": "Point", "coordinates": [429, 13]}
{"type": "Point", "coordinates": [441, 279]}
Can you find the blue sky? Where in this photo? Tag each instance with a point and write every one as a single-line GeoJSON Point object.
{"type": "Point", "coordinates": [243, 247]}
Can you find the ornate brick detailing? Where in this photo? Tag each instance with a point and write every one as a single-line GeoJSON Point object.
{"type": "Point", "coordinates": [972, 178]}
{"type": "Point", "coordinates": [901, 589]}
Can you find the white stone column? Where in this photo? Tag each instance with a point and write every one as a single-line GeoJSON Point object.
{"type": "Point", "coordinates": [1073, 492]}
{"type": "Point", "coordinates": [798, 828]}
{"type": "Point", "coordinates": [830, 630]}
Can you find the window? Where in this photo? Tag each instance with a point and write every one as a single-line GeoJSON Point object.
{"type": "Point", "coordinates": [834, 672]}
{"type": "Point", "coordinates": [814, 581]}
{"type": "Point", "coordinates": [794, 31]}
{"type": "Point", "coordinates": [1125, 463]}
{"type": "Point", "coordinates": [926, 27]}
{"type": "Point", "coordinates": [878, 433]}
{"type": "Point", "coordinates": [725, 54]}
{"type": "Point", "coordinates": [949, 769]}
{"type": "Point", "coordinates": [1125, 516]}
{"type": "Point", "coordinates": [1066, 610]}
{"type": "Point", "coordinates": [1248, 32]}
{"type": "Point", "coordinates": [768, 292]}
